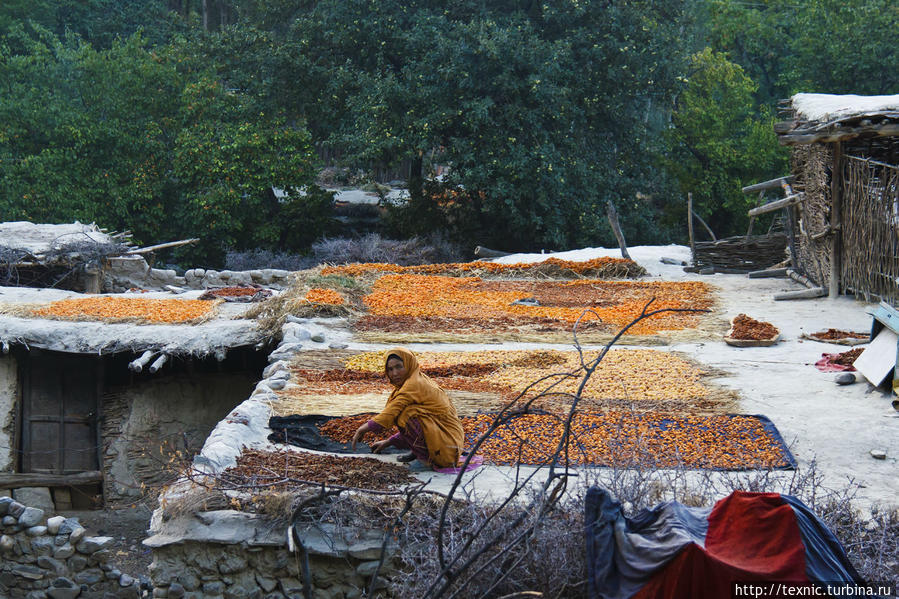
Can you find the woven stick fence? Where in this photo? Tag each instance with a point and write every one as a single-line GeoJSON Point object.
{"type": "Point", "coordinates": [870, 245]}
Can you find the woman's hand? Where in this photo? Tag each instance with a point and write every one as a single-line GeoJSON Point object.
{"type": "Point", "coordinates": [379, 446]}
{"type": "Point", "coordinates": [359, 434]}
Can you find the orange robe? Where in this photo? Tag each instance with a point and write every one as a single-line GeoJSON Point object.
{"type": "Point", "coordinates": [421, 398]}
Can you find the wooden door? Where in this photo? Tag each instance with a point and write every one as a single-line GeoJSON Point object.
{"type": "Point", "coordinates": [59, 413]}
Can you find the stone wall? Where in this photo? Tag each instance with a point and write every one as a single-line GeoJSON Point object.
{"type": "Point", "coordinates": [233, 555]}
{"type": "Point", "coordinates": [147, 422]}
{"type": "Point", "coordinates": [126, 272]}
{"type": "Point", "coordinates": [44, 557]}
{"type": "Point", "coordinates": [9, 381]}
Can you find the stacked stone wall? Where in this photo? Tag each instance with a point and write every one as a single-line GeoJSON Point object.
{"type": "Point", "coordinates": [341, 563]}
{"type": "Point", "coordinates": [53, 558]}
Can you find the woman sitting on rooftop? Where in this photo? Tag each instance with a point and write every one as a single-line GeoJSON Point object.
{"type": "Point", "coordinates": [426, 418]}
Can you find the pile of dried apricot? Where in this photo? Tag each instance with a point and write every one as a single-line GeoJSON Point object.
{"type": "Point", "coordinates": [601, 266]}
{"type": "Point", "coordinates": [613, 304]}
{"type": "Point", "coordinates": [319, 295]}
{"type": "Point", "coordinates": [127, 308]}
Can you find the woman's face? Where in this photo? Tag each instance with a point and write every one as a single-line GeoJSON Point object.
{"type": "Point", "coordinates": [396, 371]}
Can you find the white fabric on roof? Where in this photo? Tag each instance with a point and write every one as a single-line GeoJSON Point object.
{"type": "Point", "coordinates": [38, 239]}
{"type": "Point", "coordinates": [828, 107]}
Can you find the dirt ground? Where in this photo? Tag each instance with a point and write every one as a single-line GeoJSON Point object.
{"type": "Point", "coordinates": [128, 526]}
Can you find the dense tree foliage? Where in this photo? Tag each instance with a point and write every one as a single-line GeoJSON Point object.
{"type": "Point", "coordinates": [132, 139]}
{"type": "Point", "coordinates": [178, 117]}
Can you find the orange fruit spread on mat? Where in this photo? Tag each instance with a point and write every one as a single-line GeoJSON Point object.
{"type": "Point", "coordinates": [491, 267]}
{"type": "Point", "coordinates": [150, 310]}
{"type": "Point", "coordinates": [468, 298]}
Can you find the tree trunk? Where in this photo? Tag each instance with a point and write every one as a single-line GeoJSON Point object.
{"type": "Point", "coordinates": [416, 176]}
{"type": "Point", "coordinates": [616, 228]}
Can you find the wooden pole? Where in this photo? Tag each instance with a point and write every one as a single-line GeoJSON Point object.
{"type": "Point", "coordinates": [616, 228]}
{"type": "Point", "coordinates": [690, 225]}
{"type": "Point", "coordinates": [836, 185]}
{"type": "Point", "coordinates": [707, 228]}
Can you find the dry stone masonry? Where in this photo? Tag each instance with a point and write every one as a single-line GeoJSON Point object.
{"type": "Point", "coordinates": [43, 557]}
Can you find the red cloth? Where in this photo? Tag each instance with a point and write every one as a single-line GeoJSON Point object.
{"type": "Point", "coordinates": [747, 541]}
{"type": "Point", "coordinates": [825, 364]}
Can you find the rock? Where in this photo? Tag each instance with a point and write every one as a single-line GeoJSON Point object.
{"type": "Point", "coordinates": [38, 497]}
{"type": "Point", "coordinates": [236, 592]}
{"type": "Point", "coordinates": [64, 551]}
{"type": "Point", "coordinates": [68, 526]}
{"type": "Point", "coordinates": [4, 505]}
{"type": "Point", "coordinates": [90, 545]}
{"type": "Point", "coordinates": [36, 595]}
{"type": "Point", "coordinates": [35, 531]}
{"type": "Point", "coordinates": [66, 593]}
{"type": "Point", "coordinates": [54, 565]}
{"type": "Point", "coordinates": [366, 551]}
{"type": "Point", "coordinates": [162, 592]}
{"type": "Point", "coordinates": [293, 332]}
{"type": "Point", "coordinates": [90, 576]}
{"type": "Point", "coordinates": [31, 516]}
{"type": "Point", "coordinates": [54, 523]}
{"type": "Point", "coordinates": [77, 535]}
{"type": "Point", "coordinates": [9, 521]}
{"type": "Point", "coordinates": [125, 580]}
{"type": "Point", "coordinates": [240, 278]}
{"type": "Point", "coordinates": [215, 587]}
{"type": "Point", "coordinates": [291, 587]}
{"type": "Point", "coordinates": [318, 338]}
{"type": "Point", "coordinates": [276, 384]}
{"type": "Point", "coordinates": [77, 562]}
{"type": "Point", "coordinates": [7, 543]}
{"type": "Point", "coordinates": [266, 584]}
{"type": "Point", "coordinates": [175, 590]}
{"type": "Point", "coordinates": [15, 509]}
{"type": "Point", "coordinates": [845, 378]}
{"type": "Point", "coordinates": [338, 346]}
{"type": "Point", "coordinates": [42, 545]}
{"type": "Point", "coordinates": [279, 274]}
{"type": "Point", "coordinates": [111, 573]}
{"type": "Point", "coordinates": [367, 569]}
{"type": "Point", "coordinates": [29, 572]}
{"type": "Point", "coordinates": [879, 454]}
{"type": "Point", "coordinates": [232, 564]}
{"type": "Point", "coordinates": [274, 367]}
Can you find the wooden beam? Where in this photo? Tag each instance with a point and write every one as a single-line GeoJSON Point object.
{"type": "Point", "coordinates": [765, 185]}
{"type": "Point", "coordinates": [836, 187]}
{"type": "Point", "coordinates": [801, 294]}
{"type": "Point", "coordinates": [776, 204]}
{"type": "Point", "coordinates": [707, 228]}
{"type": "Point", "coordinates": [13, 480]}
{"type": "Point", "coordinates": [482, 252]}
{"type": "Point", "coordinates": [161, 246]}
{"type": "Point", "coordinates": [690, 225]}
{"type": "Point", "coordinates": [808, 136]}
{"type": "Point", "coordinates": [768, 273]}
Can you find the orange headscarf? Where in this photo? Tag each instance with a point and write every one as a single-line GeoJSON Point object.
{"type": "Point", "coordinates": [421, 398]}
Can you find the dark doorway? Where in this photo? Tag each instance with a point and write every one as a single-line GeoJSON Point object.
{"type": "Point", "coordinates": [60, 395]}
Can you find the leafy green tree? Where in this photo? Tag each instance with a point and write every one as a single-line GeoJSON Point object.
{"type": "Point", "coordinates": [544, 112]}
{"type": "Point", "coordinates": [719, 142]}
{"type": "Point", "coordinates": [135, 138]}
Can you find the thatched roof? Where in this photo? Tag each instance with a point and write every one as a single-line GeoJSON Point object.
{"type": "Point", "coordinates": [830, 118]}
